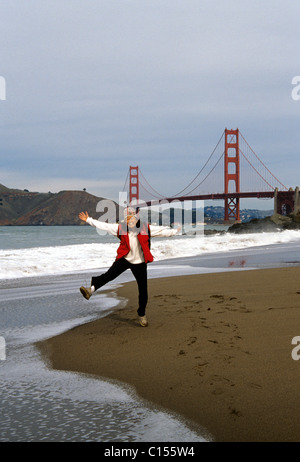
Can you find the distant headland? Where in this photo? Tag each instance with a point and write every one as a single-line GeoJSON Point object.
{"type": "Point", "coordinates": [25, 208]}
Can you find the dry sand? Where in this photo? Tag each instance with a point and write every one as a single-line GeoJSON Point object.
{"type": "Point", "coordinates": [217, 351]}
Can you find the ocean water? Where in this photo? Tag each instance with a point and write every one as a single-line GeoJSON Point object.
{"type": "Point", "coordinates": [39, 251]}
{"type": "Point", "coordinates": [40, 273]}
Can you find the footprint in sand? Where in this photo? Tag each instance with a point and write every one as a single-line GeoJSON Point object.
{"type": "Point", "coordinates": [217, 391]}
{"type": "Point", "coordinates": [181, 353]}
{"type": "Point", "coordinates": [200, 368]}
{"type": "Point", "coordinates": [221, 297]}
{"type": "Point", "coordinates": [234, 412]}
{"type": "Point", "coordinates": [254, 385]}
{"type": "Point", "coordinates": [219, 379]}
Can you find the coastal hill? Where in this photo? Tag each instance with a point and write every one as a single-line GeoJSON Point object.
{"type": "Point", "coordinates": [23, 208]}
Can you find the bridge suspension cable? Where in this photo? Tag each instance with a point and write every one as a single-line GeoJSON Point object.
{"type": "Point", "coordinates": [255, 175]}
{"type": "Point", "coordinates": [125, 184]}
{"type": "Point", "coordinates": [272, 176]}
{"type": "Point", "coordinates": [180, 193]}
{"type": "Point", "coordinates": [205, 178]}
{"type": "Point", "coordinates": [158, 195]}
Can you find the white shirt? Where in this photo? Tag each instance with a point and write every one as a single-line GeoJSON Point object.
{"type": "Point", "coordinates": [135, 255]}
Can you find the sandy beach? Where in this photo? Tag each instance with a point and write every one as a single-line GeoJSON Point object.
{"type": "Point", "coordinates": [217, 351]}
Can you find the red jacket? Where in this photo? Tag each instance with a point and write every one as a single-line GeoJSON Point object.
{"type": "Point", "coordinates": [144, 240]}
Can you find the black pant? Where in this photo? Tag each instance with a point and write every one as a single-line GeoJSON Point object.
{"type": "Point", "coordinates": [139, 271]}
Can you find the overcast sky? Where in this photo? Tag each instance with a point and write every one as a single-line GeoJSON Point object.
{"type": "Point", "coordinates": [95, 86]}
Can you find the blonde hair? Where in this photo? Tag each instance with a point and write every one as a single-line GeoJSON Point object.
{"type": "Point", "coordinates": [128, 218]}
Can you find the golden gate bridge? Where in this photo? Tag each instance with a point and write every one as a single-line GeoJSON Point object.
{"type": "Point", "coordinates": [233, 171]}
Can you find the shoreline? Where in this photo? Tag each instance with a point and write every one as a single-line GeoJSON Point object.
{"type": "Point", "coordinates": [217, 351]}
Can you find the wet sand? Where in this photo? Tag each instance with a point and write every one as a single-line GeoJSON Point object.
{"type": "Point", "coordinates": [217, 351]}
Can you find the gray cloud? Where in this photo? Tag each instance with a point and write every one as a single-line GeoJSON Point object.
{"type": "Point", "coordinates": [93, 87]}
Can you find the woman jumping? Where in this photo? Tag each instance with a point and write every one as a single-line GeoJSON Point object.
{"type": "Point", "coordinates": [133, 253]}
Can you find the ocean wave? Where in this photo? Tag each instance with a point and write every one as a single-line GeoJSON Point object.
{"type": "Point", "coordinates": [40, 261]}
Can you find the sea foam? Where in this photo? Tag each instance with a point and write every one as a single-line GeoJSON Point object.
{"type": "Point", "coordinates": [40, 261]}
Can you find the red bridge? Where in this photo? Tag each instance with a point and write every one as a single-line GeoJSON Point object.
{"type": "Point", "coordinates": [233, 171]}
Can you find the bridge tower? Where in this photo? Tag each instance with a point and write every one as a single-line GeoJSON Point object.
{"type": "Point", "coordinates": [232, 175]}
{"type": "Point", "coordinates": [133, 185]}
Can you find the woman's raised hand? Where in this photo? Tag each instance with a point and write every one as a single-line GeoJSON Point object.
{"type": "Point", "coordinates": [83, 216]}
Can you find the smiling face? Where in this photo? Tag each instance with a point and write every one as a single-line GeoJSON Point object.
{"type": "Point", "coordinates": [131, 221]}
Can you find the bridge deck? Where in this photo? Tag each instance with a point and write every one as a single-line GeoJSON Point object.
{"type": "Point", "coordinates": [220, 196]}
